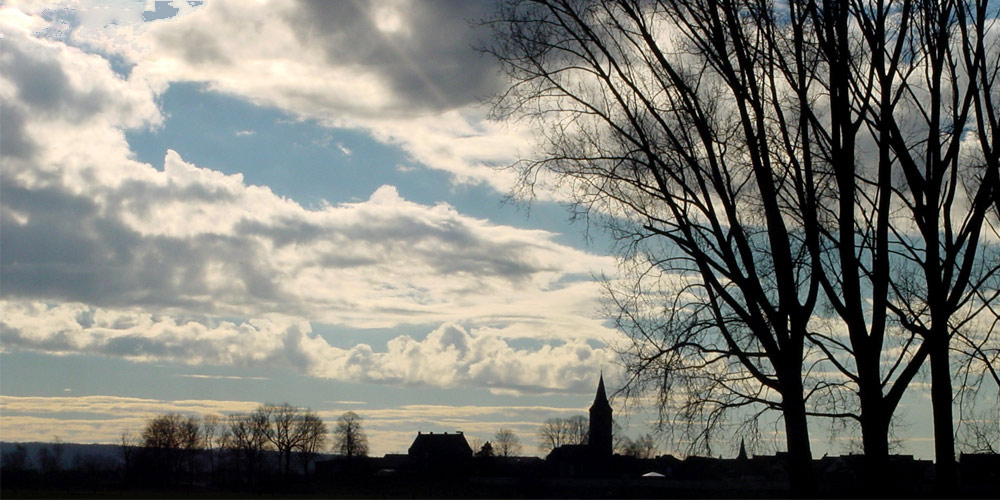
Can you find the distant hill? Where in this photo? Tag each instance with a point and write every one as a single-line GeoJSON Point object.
{"type": "Point", "coordinates": [72, 453]}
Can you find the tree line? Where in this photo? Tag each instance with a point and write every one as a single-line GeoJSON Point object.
{"type": "Point", "coordinates": [272, 441]}
{"type": "Point", "coordinates": [805, 198]}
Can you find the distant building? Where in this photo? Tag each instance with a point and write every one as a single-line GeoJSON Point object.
{"type": "Point", "coordinates": [440, 453]}
{"type": "Point", "coordinates": [593, 457]}
{"type": "Point", "coordinates": [601, 423]}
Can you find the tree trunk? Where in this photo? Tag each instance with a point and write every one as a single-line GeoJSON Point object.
{"type": "Point", "coordinates": [800, 469]}
{"type": "Point", "coordinates": [875, 439]}
{"type": "Point", "coordinates": [941, 400]}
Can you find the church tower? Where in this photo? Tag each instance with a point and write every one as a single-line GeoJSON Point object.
{"type": "Point", "coordinates": [600, 423]}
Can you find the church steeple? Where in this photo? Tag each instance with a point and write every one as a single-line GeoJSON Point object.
{"type": "Point", "coordinates": [601, 423]}
{"type": "Point", "coordinates": [601, 399]}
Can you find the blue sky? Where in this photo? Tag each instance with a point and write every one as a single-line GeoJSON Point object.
{"type": "Point", "coordinates": [206, 207]}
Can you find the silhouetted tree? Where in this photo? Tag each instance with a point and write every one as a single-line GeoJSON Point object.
{"type": "Point", "coordinates": [349, 438]}
{"type": "Point", "coordinates": [672, 148]}
{"type": "Point", "coordinates": [552, 434]}
{"type": "Point", "coordinates": [556, 432]}
{"type": "Point", "coordinates": [214, 438]}
{"type": "Point", "coordinates": [169, 442]}
{"type": "Point", "coordinates": [314, 436]}
{"type": "Point", "coordinates": [485, 451]}
{"type": "Point", "coordinates": [579, 429]}
{"type": "Point", "coordinates": [506, 443]}
{"type": "Point", "coordinates": [248, 440]}
{"type": "Point", "coordinates": [293, 429]}
{"type": "Point", "coordinates": [642, 447]}
{"type": "Point", "coordinates": [475, 442]}
{"type": "Point", "coordinates": [934, 121]}
{"type": "Point", "coordinates": [978, 429]}
{"type": "Point", "coordinates": [128, 445]}
{"type": "Point", "coordinates": [724, 144]}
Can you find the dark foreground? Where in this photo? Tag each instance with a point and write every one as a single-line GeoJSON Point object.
{"type": "Point", "coordinates": [478, 488]}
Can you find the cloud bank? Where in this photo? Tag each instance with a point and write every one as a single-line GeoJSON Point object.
{"type": "Point", "coordinates": [449, 356]}
{"type": "Point", "coordinates": [102, 254]}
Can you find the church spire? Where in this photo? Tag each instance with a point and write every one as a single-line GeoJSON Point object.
{"type": "Point", "coordinates": [601, 398]}
{"type": "Point", "coordinates": [601, 424]}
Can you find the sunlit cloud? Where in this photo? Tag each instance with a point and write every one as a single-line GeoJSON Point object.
{"type": "Point", "coordinates": [449, 356]}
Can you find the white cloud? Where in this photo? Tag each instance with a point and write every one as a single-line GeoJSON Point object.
{"type": "Point", "coordinates": [189, 239]}
{"type": "Point", "coordinates": [379, 66]}
{"type": "Point", "coordinates": [449, 356]}
{"type": "Point", "coordinates": [106, 255]}
{"type": "Point", "coordinates": [192, 239]}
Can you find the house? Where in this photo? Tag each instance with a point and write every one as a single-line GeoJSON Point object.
{"type": "Point", "coordinates": [440, 453]}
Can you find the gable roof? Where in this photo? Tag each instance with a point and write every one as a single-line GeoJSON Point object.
{"type": "Point", "coordinates": [440, 445]}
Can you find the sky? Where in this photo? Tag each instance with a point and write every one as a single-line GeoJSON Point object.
{"type": "Point", "coordinates": [210, 206]}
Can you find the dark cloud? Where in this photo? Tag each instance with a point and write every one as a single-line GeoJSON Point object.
{"type": "Point", "coordinates": [43, 86]}
{"type": "Point", "coordinates": [14, 141]}
{"type": "Point", "coordinates": [71, 249]}
{"type": "Point", "coordinates": [448, 245]}
{"type": "Point", "coordinates": [196, 46]}
{"type": "Point", "coordinates": [431, 64]}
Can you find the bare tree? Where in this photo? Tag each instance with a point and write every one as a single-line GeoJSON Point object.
{"type": "Point", "coordinates": [555, 432]}
{"type": "Point", "coordinates": [248, 440]}
{"type": "Point", "coordinates": [726, 145]}
{"type": "Point", "coordinates": [190, 444]}
{"type": "Point", "coordinates": [289, 430]}
{"type": "Point", "coordinates": [171, 441]}
{"type": "Point", "coordinates": [672, 143]}
{"type": "Point", "coordinates": [506, 443]}
{"type": "Point", "coordinates": [475, 442]}
{"type": "Point", "coordinates": [349, 438]}
{"type": "Point", "coordinates": [978, 373]}
{"type": "Point", "coordinates": [283, 433]}
{"type": "Point", "coordinates": [642, 447]}
{"type": "Point", "coordinates": [314, 436]}
{"type": "Point", "coordinates": [128, 444]}
{"type": "Point", "coordinates": [937, 117]}
{"type": "Point", "coordinates": [214, 438]}
{"type": "Point", "coordinates": [552, 434]}
{"type": "Point", "coordinates": [578, 429]}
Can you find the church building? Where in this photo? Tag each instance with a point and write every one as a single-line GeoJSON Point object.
{"type": "Point", "coordinates": [601, 423]}
{"type": "Point", "coordinates": [576, 459]}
